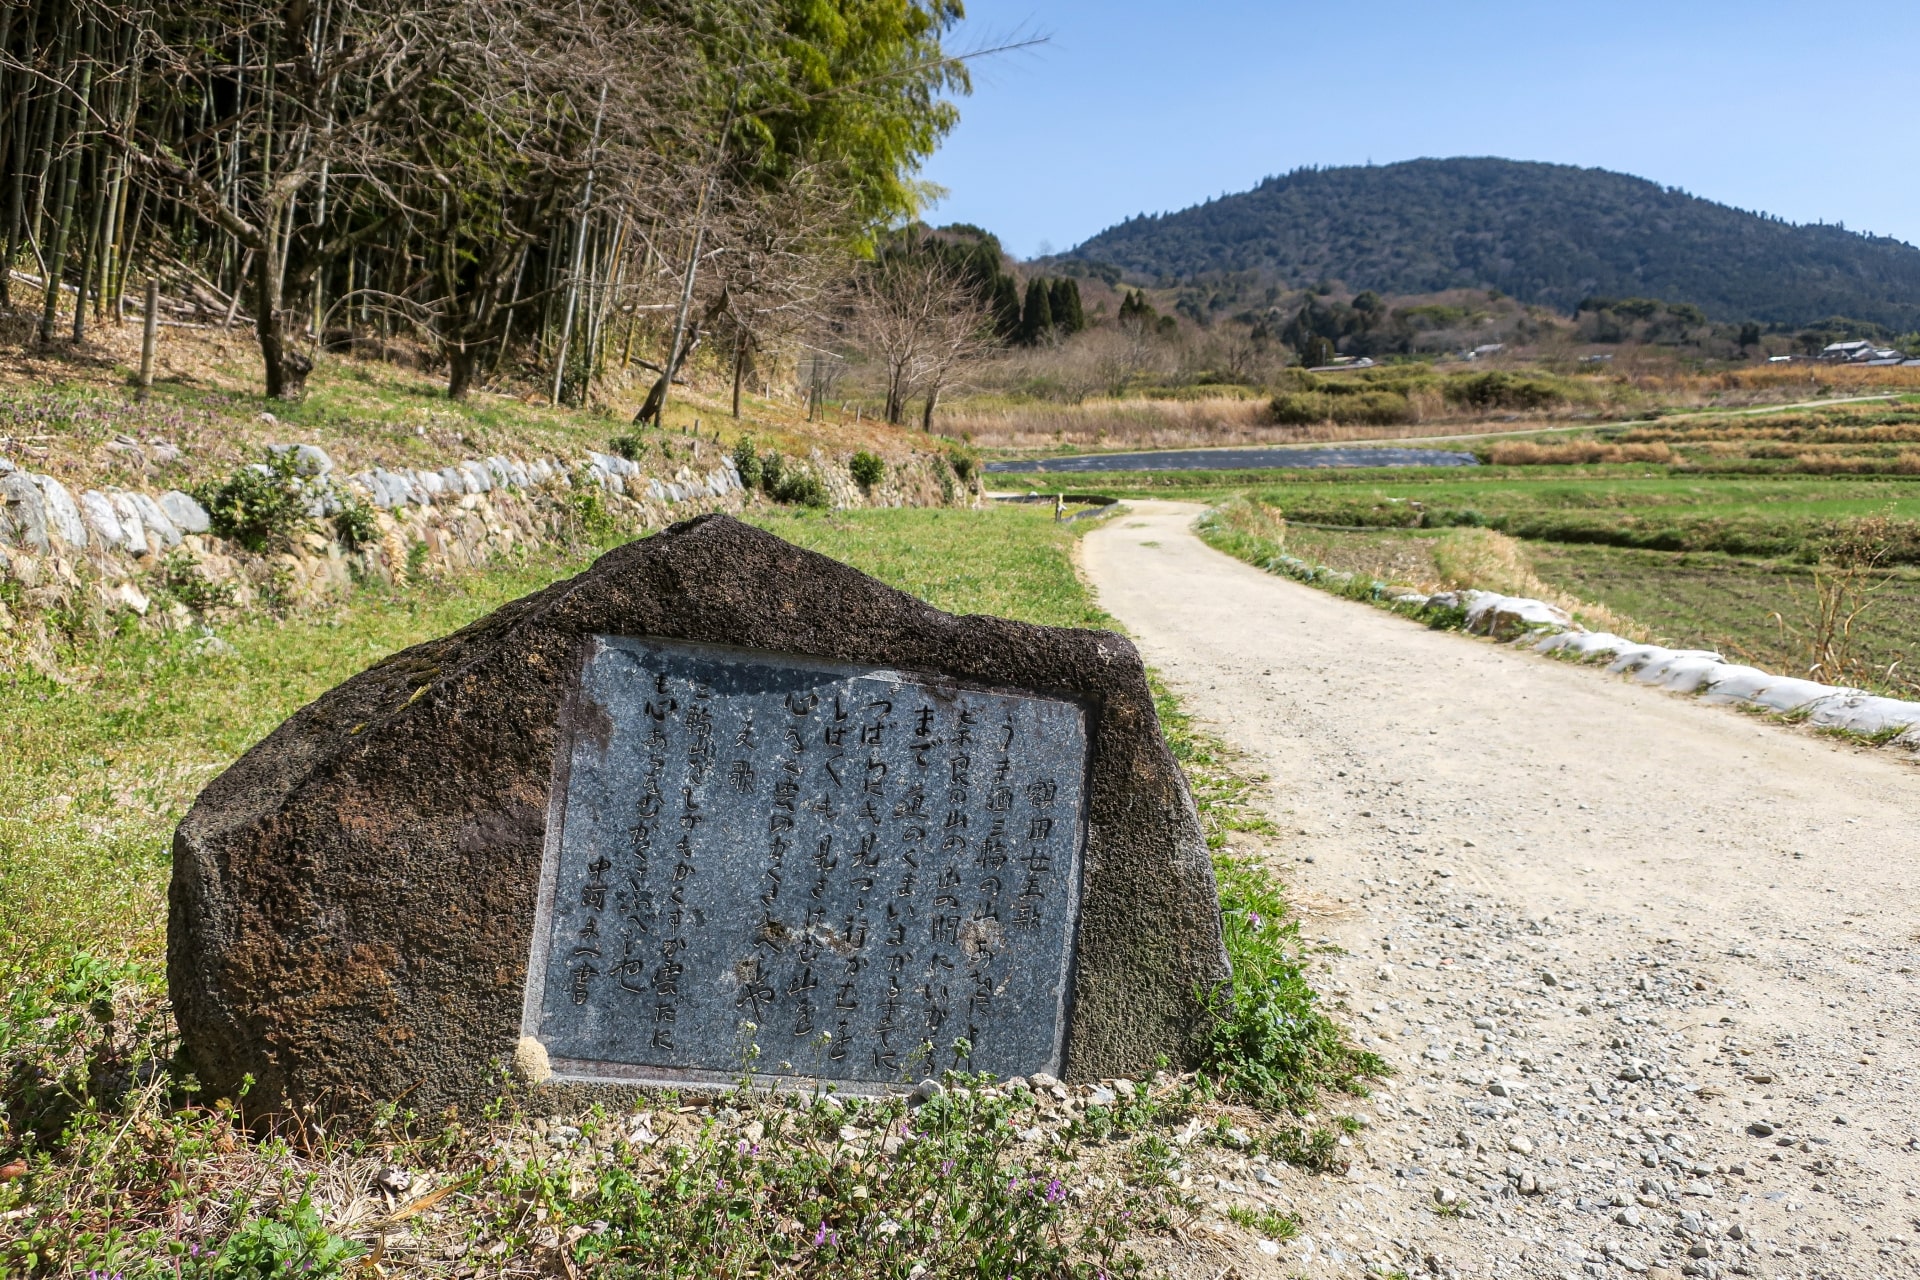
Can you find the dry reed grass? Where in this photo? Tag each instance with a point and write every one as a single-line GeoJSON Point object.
{"type": "Point", "coordinates": [1463, 559]}
{"type": "Point", "coordinates": [1529, 453]}
{"type": "Point", "coordinates": [1486, 560]}
{"type": "Point", "coordinates": [1174, 424]}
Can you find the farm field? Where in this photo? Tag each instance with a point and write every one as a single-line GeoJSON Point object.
{"type": "Point", "coordinates": [1737, 563]}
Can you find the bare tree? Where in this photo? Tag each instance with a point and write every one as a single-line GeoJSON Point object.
{"type": "Point", "coordinates": [319, 91]}
{"type": "Point", "coordinates": [921, 323]}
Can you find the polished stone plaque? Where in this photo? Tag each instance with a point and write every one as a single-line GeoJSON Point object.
{"type": "Point", "coordinates": [768, 864]}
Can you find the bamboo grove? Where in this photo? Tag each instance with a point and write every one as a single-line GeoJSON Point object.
{"type": "Point", "coordinates": [533, 190]}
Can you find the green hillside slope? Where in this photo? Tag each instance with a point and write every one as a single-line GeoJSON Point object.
{"type": "Point", "coordinates": [1544, 233]}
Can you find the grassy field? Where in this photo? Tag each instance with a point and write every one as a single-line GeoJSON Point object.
{"type": "Point", "coordinates": [109, 1163]}
{"type": "Point", "coordinates": [1806, 568]}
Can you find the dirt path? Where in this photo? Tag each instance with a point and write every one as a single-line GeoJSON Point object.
{"type": "Point", "coordinates": [1645, 968]}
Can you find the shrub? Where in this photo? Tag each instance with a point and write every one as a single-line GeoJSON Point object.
{"type": "Point", "coordinates": [772, 467]}
{"type": "Point", "coordinates": [801, 488]}
{"type": "Point", "coordinates": [629, 446]}
{"type": "Point", "coordinates": [964, 464]}
{"type": "Point", "coordinates": [354, 524]}
{"type": "Point", "coordinates": [589, 515]}
{"type": "Point", "coordinates": [746, 460]}
{"type": "Point", "coordinates": [181, 578]}
{"type": "Point", "coordinates": [262, 507]}
{"type": "Point", "coordinates": [1497, 389]}
{"type": "Point", "coordinates": [867, 468]}
{"type": "Point", "coordinates": [1348, 407]}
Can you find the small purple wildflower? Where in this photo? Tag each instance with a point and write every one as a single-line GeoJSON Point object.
{"type": "Point", "coordinates": [1055, 1192]}
{"type": "Point", "coordinates": [1253, 918]}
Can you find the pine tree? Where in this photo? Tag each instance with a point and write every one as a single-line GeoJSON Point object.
{"type": "Point", "coordinates": [1036, 319]}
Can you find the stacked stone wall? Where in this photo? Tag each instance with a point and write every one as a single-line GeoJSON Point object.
{"type": "Point", "coordinates": [82, 563]}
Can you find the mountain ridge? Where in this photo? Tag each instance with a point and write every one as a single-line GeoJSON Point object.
{"type": "Point", "coordinates": [1544, 233]}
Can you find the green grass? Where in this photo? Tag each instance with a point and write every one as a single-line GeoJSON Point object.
{"type": "Point", "coordinates": [1757, 612]}
{"type": "Point", "coordinates": [1011, 561]}
{"type": "Point", "coordinates": [101, 766]}
{"type": "Point", "coordinates": [128, 1172]}
{"type": "Point", "coordinates": [1765, 612]}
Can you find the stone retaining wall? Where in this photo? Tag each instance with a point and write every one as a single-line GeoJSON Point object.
{"type": "Point", "coordinates": [80, 562]}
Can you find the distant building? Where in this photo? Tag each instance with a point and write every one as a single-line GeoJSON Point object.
{"type": "Point", "coordinates": [1486, 349]}
{"type": "Point", "coordinates": [1847, 352]}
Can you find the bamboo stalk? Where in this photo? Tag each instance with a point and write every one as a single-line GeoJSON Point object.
{"type": "Point", "coordinates": [149, 336]}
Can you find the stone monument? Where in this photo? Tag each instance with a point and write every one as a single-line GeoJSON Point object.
{"type": "Point", "coordinates": [716, 806]}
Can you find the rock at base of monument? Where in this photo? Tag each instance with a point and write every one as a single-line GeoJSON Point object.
{"type": "Point", "coordinates": [718, 806]}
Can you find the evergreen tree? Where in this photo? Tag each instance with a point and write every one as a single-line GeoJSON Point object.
{"type": "Point", "coordinates": [1064, 300]}
{"type": "Point", "coordinates": [1036, 319]}
{"type": "Point", "coordinates": [1006, 307]}
{"type": "Point", "coordinates": [1135, 309]}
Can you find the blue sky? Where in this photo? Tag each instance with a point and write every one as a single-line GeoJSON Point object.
{"type": "Point", "coordinates": [1807, 112]}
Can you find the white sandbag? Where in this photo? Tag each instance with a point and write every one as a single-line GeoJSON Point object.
{"type": "Point", "coordinates": [1863, 713]}
{"type": "Point", "coordinates": [1760, 689]}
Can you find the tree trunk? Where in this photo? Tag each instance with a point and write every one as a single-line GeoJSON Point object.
{"type": "Point", "coordinates": [69, 191]}
{"type": "Point", "coordinates": [654, 409]}
{"type": "Point", "coordinates": [90, 250]}
{"type": "Point", "coordinates": [460, 366]}
{"type": "Point", "coordinates": [287, 366]}
{"type": "Point", "coordinates": [739, 373]}
{"type": "Point", "coordinates": [933, 398]}
{"type": "Point", "coordinates": [896, 397]}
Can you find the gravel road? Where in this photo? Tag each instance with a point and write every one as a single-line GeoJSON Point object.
{"type": "Point", "coordinates": [1645, 968]}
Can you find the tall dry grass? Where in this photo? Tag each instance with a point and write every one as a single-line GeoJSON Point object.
{"type": "Point", "coordinates": [1174, 424]}
{"type": "Point", "coordinates": [1529, 453]}
{"type": "Point", "coordinates": [1464, 559]}
{"type": "Point", "coordinates": [1486, 560]}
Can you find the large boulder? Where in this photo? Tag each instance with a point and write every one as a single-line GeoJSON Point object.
{"type": "Point", "coordinates": [353, 903]}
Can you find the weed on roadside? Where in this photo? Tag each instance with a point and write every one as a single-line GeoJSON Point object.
{"type": "Point", "coordinates": [1271, 1045]}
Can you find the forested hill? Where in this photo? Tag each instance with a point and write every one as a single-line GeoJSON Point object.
{"type": "Point", "coordinates": [1544, 233]}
